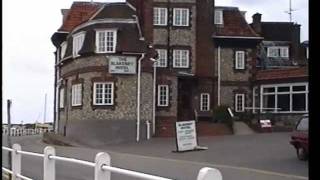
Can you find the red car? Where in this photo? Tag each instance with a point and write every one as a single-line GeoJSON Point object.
{"type": "Point", "coordinates": [300, 138]}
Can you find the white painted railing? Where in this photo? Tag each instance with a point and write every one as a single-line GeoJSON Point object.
{"type": "Point", "coordinates": [24, 132]}
{"type": "Point", "coordinates": [102, 166]}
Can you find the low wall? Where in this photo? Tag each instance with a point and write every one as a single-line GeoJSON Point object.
{"type": "Point", "coordinates": [102, 132]}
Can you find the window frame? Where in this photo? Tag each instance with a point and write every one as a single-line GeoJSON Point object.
{"type": "Point", "coordinates": [236, 108]}
{"type": "Point", "coordinates": [166, 97]}
{"type": "Point", "coordinates": [174, 58]}
{"type": "Point", "coordinates": [290, 93]}
{"type": "Point", "coordinates": [114, 42]}
{"type": "Point", "coordinates": [279, 50]}
{"type": "Point", "coordinates": [76, 94]}
{"type": "Point", "coordinates": [237, 60]}
{"type": "Point", "coordinates": [63, 49]}
{"type": "Point", "coordinates": [103, 94]}
{"type": "Point", "coordinates": [218, 21]}
{"type": "Point", "coordinates": [158, 11]}
{"type": "Point", "coordinates": [202, 95]}
{"type": "Point", "coordinates": [61, 98]}
{"type": "Point", "coordinates": [179, 23]}
{"type": "Point", "coordinates": [75, 52]}
{"type": "Point", "coordinates": [160, 60]}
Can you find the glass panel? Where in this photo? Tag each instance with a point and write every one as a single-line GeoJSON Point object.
{"type": "Point", "coordinates": [299, 102]}
{"type": "Point", "coordinates": [268, 102]}
{"type": "Point", "coordinates": [284, 102]}
{"type": "Point", "coordinates": [299, 88]}
{"type": "Point", "coordinates": [303, 124]}
{"type": "Point", "coordinates": [283, 89]}
{"type": "Point", "coordinates": [268, 90]}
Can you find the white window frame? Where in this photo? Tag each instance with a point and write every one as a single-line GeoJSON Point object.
{"type": "Point", "coordinates": [218, 16]}
{"type": "Point", "coordinates": [282, 51]}
{"type": "Point", "coordinates": [63, 48]}
{"type": "Point", "coordinates": [178, 11]}
{"type": "Point", "coordinates": [204, 105]}
{"type": "Point", "coordinates": [76, 94]}
{"type": "Point", "coordinates": [236, 101]}
{"type": "Point", "coordinates": [166, 100]}
{"type": "Point", "coordinates": [240, 60]}
{"type": "Point", "coordinates": [157, 16]}
{"type": "Point", "coordinates": [177, 63]}
{"type": "Point", "coordinates": [106, 42]}
{"type": "Point", "coordinates": [76, 46]}
{"type": "Point", "coordinates": [290, 93]}
{"type": "Point", "coordinates": [61, 98]}
{"type": "Point", "coordinates": [163, 58]}
{"type": "Point", "coordinates": [103, 93]}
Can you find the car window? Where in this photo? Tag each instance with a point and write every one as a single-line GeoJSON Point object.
{"type": "Point", "coordinates": [303, 124]}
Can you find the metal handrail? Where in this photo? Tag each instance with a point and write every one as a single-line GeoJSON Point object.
{"type": "Point", "coordinates": [72, 160]}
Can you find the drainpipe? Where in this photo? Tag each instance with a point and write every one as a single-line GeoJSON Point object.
{"type": "Point", "coordinates": [219, 75]}
{"type": "Point", "coordinates": [138, 97]}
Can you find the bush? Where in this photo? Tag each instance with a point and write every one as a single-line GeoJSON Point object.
{"type": "Point", "coordinates": [246, 117]}
{"type": "Point", "coordinates": [221, 115]}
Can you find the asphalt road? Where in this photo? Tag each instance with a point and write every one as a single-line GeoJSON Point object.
{"type": "Point", "coordinates": [247, 157]}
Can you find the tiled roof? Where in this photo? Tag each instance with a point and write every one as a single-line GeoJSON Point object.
{"type": "Point", "coordinates": [277, 31]}
{"type": "Point", "coordinates": [234, 24]}
{"type": "Point", "coordinates": [79, 13]}
{"type": "Point", "coordinates": [274, 74]}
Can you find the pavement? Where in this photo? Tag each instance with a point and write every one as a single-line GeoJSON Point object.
{"type": "Point", "coordinates": [247, 157]}
{"type": "Point", "coordinates": [241, 128]}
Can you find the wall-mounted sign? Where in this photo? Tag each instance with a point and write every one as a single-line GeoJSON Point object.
{"type": "Point", "coordinates": [122, 64]}
{"type": "Point", "coordinates": [186, 135]}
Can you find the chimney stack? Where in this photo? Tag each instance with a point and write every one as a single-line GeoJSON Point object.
{"type": "Point", "coordinates": [256, 23]}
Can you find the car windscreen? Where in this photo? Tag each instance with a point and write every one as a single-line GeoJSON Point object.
{"type": "Point", "coordinates": [303, 124]}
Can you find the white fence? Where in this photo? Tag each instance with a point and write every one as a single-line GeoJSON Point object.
{"type": "Point", "coordinates": [24, 132]}
{"type": "Point", "coordinates": [102, 166]}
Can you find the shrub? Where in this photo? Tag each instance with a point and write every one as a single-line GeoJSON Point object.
{"type": "Point", "coordinates": [222, 115]}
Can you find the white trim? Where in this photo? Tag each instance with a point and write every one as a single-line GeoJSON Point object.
{"type": "Point", "coordinates": [61, 98]}
{"type": "Point", "coordinates": [131, 6]}
{"type": "Point", "coordinates": [158, 9]}
{"type": "Point", "coordinates": [180, 21]}
{"type": "Point", "coordinates": [74, 37]}
{"type": "Point", "coordinates": [242, 103]}
{"type": "Point", "coordinates": [103, 89]}
{"type": "Point", "coordinates": [237, 37]}
{"type": "Point", "coordinates": [242, 56]}
{"type": "Point", "coordinates": [166, 97]}
{"type": "Point", "coordinates": [105, 31]}
{"type": "Point", "coordinates": [103, 21]}
{"type": "Point", "coordinates": [76, 94]}
{"type": "Point", "coordinates": [174, 59]}
{"type": "Point", "coordinates": [220, 12]}
{"type": "Point", "coordinates": [96, 13]}
{"type": "Point", "coordinates": [201, 102]}
{"type": "Point", "coordinates": [63, 48]}
{"type": "Point", "coordinates": [158, 62]}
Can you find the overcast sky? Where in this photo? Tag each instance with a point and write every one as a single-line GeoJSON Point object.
{"type": "Point", "coordinates": [28, 59]}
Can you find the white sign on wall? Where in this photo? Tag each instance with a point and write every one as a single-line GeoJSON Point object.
{"type": "Point", "coordinates": [122, 64]}
{"type": "Point", "coordinates": [186, 135]}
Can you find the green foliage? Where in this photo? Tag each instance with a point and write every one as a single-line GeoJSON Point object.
{"type": "Point", "coordinates": [222, 115]}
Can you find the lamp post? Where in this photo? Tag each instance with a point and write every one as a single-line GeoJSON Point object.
{"type": "Point", "coordinates": [154, 95]}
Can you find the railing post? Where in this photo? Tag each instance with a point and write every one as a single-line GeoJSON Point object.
{"type": "Point", "coordinates": [100, 160]}
{"type": "Point", "coordinates": [209, 174]}
{"type": "Point", "coordinates": [16, 161]}
{"type": "Point", "coordinates": [49, 167]}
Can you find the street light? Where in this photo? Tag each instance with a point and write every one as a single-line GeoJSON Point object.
{"type": "Point", "coordinates": [154, 95]}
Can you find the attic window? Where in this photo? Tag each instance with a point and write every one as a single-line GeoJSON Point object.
{"type": "Point", "coordinates": [63, 49]}
{"type": "Point", "coordinates": [275, 51]}
{"type": "Point", "coordinates": [106, 41]}
{"type": "Point", "coordinates": [218, 17]}
{"type": "Point", "coordinates": [77, 43]}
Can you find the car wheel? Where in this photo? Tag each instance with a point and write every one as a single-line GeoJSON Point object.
{"type": "Point", "coordinates": [301, 154]}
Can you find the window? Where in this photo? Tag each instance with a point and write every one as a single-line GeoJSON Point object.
{"type": "Point", "coordinates": [218, 17]}
{"type": "Point", "coordinates": [307, 52]}
{"type": "Point", "coordinates": [239, 60]}
{"type": "Point", "coordinates": [103, 93]}
{"type": "Point", "coordinates": [162, 60]}
{"type": "Point", "coordinates": [63, 49]}
{"type": "Point", "coordinates": [205, 102]}
{"type": "Point", "coordinates": [303, 124]}
{"type": "Point", "coordinates": [61, 100]}
{"type": "Point", "coordinates": [180, 58]}
{"type": "Point", "coordinates": [239, 102]}
{"type": "Point", "coordinates": [77, 43]}
{"type": "Point", "coordinates": [160, 16]}
{"type": "Point", "coordinates": [163, 95]}
{"type": "Point", "coordinates": [106, 41]}
{"type": "Point", "coordinates": [284, 98]}
{"type": "Point", "coordinates": [76, 95]}
{"type": "Point", "coordinates": [180, 17]}
{"type": "Point", "coordinates": [278, 52]}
